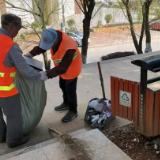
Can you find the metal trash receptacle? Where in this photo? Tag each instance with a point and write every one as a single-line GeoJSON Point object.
{"type": "Point", "coordinates": [135, 102]}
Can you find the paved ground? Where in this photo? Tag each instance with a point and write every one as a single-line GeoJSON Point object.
{"type": "Point", "coordinates": [98, 145]}
{"type": "Point", "coordinates": [88, 88]}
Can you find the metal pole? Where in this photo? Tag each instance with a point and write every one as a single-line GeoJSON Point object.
{"type": "Point", "coordinates": [143, 99]}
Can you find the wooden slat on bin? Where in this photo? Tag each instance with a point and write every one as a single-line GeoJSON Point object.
{"type": "Point", "coordinates": [125, 109]}
{"type": "Point", "coordinates": [151, 103]}
{"type": "Point", "coordinates": [136, 103]}
{"type": "Point", "coordinates": [133, 99]}
{"type": "Point", "coordinates": [159, 118]}
{"type": "Point", "coordinates": [121, 87]}
{"type": "Point", "coordinates": [157, 114]}
{"type": "Point", "coordinates": [147, 112]}
{"type": "Point", "coordinates": [130, 113]}
{"type": "Point", "coordinates": [113, 95]}
{"type": "Point", "coordinates": [116, 96]}
{"type": "Point", "coordinates": [139, 103]}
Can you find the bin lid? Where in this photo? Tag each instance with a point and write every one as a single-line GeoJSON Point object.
{"type": "Point", "coordinates": [36, 64]}
{"type": "Point", "coordinates": [151, 63]}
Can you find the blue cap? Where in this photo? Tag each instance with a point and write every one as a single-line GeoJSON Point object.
{"type": "Point", "coordinates": [48, 38]}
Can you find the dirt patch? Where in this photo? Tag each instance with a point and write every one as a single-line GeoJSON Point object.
{"type": "Point", "coordinates": [31, 37]}
{"type": "Point", "coordinates": [113, 29]}
{"type": "Point", "coordinates": [135, 145]}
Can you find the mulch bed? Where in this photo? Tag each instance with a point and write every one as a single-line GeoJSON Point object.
{"type": "Point", "coordinates": [135, 145]}
{"type": "Point", "coordinates": [117, 55]}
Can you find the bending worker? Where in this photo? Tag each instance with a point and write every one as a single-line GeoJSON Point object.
{"type": "Point", "coordinates": [11, 60]}
{"type": "Point", "coordinates": [68, 63]}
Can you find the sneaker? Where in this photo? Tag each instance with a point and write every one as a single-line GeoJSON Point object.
{"type": "Point", "coordinates": [3, 139]}
{"type": "Point", "coordinates": [62, 107]}
{"type": "Point", "coordinates": [69, 116]}
{"type": "Point", "coordinates": [24, 140]}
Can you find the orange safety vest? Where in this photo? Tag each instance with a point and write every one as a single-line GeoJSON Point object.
{"type": "Point", "coordinates": [76, 65]}
{"type": "Point", "coordinates": [7, 75]}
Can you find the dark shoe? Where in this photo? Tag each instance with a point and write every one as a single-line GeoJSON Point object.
{"type": "Point", "coordinates": [69, 116]}
{"type": "Point", "coordinates": [3, 139]}
{"type": "Point", "coordinates": [62, 107]}
{"type": "Point", "coordinates": [24, 140]}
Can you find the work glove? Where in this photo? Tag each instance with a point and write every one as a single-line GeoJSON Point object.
{"type": "Point", "coordinates": [43, 76]}
{"type": "Point", "coordinates": [28, 55]}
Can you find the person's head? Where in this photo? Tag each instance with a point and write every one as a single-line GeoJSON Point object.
{"type": "Point", "coordinates": [11, 23]}
{"type": "Point", "coordinates": [48, 39]}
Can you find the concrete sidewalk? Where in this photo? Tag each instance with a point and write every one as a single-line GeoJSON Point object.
{"type": "Point", "coordinates": [98, 145]}
{"type": "Point", "coordinates": [88, 87]}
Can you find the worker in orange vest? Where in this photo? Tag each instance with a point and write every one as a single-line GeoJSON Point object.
{"type": "Point", "coordinates": [68, 63]}
{"type": "Point", "coordinates": [11, 60]}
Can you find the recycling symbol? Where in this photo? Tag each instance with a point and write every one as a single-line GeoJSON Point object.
{"type": "Point", "coordinates": [125, 97]}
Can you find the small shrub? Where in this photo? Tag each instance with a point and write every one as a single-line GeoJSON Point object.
{"type": "Point", "coordinates": [35, 25]}
{"type": "Point", "coordinates": [71, 22]}
{"type": "Point", "coordinates": [108, 18]}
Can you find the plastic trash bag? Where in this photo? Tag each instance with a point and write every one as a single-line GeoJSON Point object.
{"type": "Point", "coordinates": [98, 113]}
{"type": "Point", "coordinates": [33, 97]}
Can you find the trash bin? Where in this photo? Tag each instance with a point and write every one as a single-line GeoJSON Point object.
{"type": "Point", "coordinates": [136, 101]}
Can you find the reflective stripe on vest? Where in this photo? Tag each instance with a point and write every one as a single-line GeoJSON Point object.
{"type": "Point", "coordinates": [57, 60]}
{"type": "Point", "coordinates": [1, 74]}
{"type": "Point", "coordinates": [75, 55]}
{"type": "Point", "coordinates": [7, 88]}
{"type": "Point", "coordinates": [11, 74]}
{"type": "Point", "coordinates": [60, 60]}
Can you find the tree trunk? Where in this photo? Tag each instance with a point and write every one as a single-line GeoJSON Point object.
{"type": "Point", "coordinates": [88, 9]}
{"type": "Point", "coordinates": [138, 48]}
{"type": "Point", "coordinates": [142, 34]}
{"type": "Point", "coordinates": [47, 62]}
{"type": "Point", "coordinates": [146, 24]}
{"type": "Point", "coordinates": [86, 33]}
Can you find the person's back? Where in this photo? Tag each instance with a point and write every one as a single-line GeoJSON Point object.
{"type": "Point", "coordinates": [68, 64]}
{"type": "Point", "coordinates": [11, 61]}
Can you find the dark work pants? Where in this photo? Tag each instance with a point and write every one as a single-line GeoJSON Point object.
{"type": "Point", "coordinates": [69, 88]}
{"type": "Point", "coordinates": [11, 107]}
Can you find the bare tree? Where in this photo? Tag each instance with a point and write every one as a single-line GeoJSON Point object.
{"type": "Point", "coordinates": [145, 8]}
{"type": "Point", "coordinates": [41, 12]}
{"type": "Point", "coordinates": [87, 7]}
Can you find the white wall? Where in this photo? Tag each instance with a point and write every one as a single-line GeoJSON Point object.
{"type": "Point", "coordinates": [27, 4]}
{"type": "Point", "coordinates": [68, 8]}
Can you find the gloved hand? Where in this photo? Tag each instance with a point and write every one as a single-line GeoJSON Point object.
{"type": "Point", "coordinates": [28, 55]}
{"type": "Point", "coordinates": [43, 76]}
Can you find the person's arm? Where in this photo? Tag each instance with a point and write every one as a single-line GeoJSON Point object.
{"type": "Point", "coordinates": [36, 51]}
{"type": "Point", "coordinates": [15, 58]}
{"type": "Point", "coordinates": [63, 65]}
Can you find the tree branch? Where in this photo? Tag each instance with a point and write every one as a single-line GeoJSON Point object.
{"type": "Point", "coordinates": [97, 10]}
{"type": "Point", "coordinates": [23, 9]}
{"type": "Point", "coordinates": [79, 6]}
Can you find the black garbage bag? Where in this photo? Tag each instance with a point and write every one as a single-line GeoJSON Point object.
{"type": "Point", "coordinates": [33, 98]}
{"type": "Point", "coordinates": [98, 113]}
